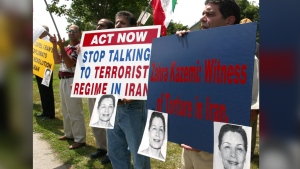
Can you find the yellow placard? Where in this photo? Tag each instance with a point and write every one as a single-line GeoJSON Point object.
{"type": "Point", "coordinates": [42, 57]}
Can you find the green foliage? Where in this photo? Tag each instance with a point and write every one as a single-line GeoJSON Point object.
{"type": "Point", "coordinates": [173, 27]}
{"type": "Point", "coordinates": [250, 11]}
{"type": "Point", "coordinates": [86, 13]}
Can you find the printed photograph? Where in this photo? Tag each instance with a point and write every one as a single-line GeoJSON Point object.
{"type": "Point", "coordinates": [47, 77]}
{"type": "Point", "coordinates": [104, 111]}
{"type": "Point", "coordinates": [154, 142]}
{"type": "Point", "coordinates": [232, 146]}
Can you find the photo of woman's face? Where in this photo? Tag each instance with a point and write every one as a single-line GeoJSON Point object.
{"type": "Point", "coordinates": [157, 133]}
{"type": "Point", "coordinates": [232, 151]}
{"type": "Point", "coordinates": [106, 109]}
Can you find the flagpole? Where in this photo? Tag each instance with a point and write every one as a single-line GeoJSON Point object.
{"type": "Point", "coordinates": [146, 9]}
{"type": "Point", "coordinates": [53, 21]}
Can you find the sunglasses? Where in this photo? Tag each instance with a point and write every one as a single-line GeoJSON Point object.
{"type": "Point", "coordinates": [72, 31]}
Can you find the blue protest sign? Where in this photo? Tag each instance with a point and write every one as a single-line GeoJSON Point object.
{"type": "Point", "coordinates": [202, 77]}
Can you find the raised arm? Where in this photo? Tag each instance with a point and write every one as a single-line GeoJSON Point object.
{"type": "Point", "coordinates": [56, 55]}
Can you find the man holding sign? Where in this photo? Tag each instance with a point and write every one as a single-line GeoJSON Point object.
{"type": "Point", "coordinates": [130, 121]}
{"type": "Point", "coordinates": [46, 91]}
{"type": "Point", "coordinates": [72, 109]}
{"type": "Point", "coordinates": [215, 14]}
{"type": "Point", "coordinates": [100, 133]}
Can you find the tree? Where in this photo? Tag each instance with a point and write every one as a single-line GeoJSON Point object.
{"type": "Point", "coordinates": [86, 13]}
{"type": "Point", "coordinates": [250, 11]}
{"type": "Point", "coordinates": [173, 27]}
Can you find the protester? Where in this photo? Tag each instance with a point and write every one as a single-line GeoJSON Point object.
{"type": "Point", "coordinates": [72, 109]}
{"type": "Point", "coordinates": [216, 13]}
{"type": "Point", "coordinates": [130, 121]}
{"type": "Point", "coordinates": [100, 133]}
{"type": "Point", "coordinates": [46, 92]}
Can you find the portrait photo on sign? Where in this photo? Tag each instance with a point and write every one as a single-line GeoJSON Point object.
{"type": "Point", "coordinates": [154, 141]}
{"type": "Point", "coordinates": [104, 111]}
{"type": "Point", "coordinates": [232, 146]}
{"type": "Point", "coordinates": [47, 77]}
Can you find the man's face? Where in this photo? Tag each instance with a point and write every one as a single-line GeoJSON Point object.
{"type": "Point", "coordinates": [232, 151]}
{"type": "Point", "coordinates": [102, 24]}
{"type": "Point", "coordinates": [74, 33]}
{"type": "Point", "coordinates": [122, 22]}
{"type": "Point", "coordinates": [157, 133]}
{"type": "Point", "coordinates": [106, 109]}
{"type": "Point", "coordinates": [211, 17]}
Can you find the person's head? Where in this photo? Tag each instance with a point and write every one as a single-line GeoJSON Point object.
{"type": "Point", "coordinates": [74, 33]}
{"type": "Point", "coordinates": [106, 107]}
{"type": "Point", "coordinates": [104, 24]}
{"type": "Point", "coordinates": [157, 128]}
{"type": "Point", "coordinates": [220, 13]}
{"type": "Point", "coordinates": [44, 33]}
{"type": "Point", "coordinates": [125, 19]}
{"type": "Point", "coordinates": [232, 146]}
{"type": "Point", "coordinates": [245, 20]}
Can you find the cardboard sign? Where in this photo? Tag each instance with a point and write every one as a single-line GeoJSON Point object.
{"type": "Point", "coordinates": [114, 61]}
{"type": "Point", "coordinates": [42, 57]}
{"type": "Point", "coordinates": [202, 77]}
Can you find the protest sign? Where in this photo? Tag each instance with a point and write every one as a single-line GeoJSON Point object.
{"type": "Point", "coordinates": [114, 61]}
{"type": "Point", "coordinates": [42, 57]}
{"type": "Point", "coordinates": [202, 77]}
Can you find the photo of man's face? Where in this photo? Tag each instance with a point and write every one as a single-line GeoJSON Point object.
{"type": "Point", "coordinates": [106, 109]}
{"type": "Point", "coordinates": [232, 151]}
{"type": "Point", "coordinates": [156, 133]}
{"type": "Point", "coordinates": [47, 75]}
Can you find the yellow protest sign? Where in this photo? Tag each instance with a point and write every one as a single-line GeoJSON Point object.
{"type": "Point", "coordinates": [42, 57]}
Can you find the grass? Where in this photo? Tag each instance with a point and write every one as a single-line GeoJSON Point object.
{"type": "Point", "coordinates": [79, 158]}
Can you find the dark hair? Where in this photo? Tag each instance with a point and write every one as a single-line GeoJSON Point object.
{"type": "Point", "coordinates": [233, 128]}
{"type": "Point", "coordinates": [158, 115]}
{"type": "Point", "coordinates": [130, 17]}
{"type": "Point", "coordinates": [227, 8]}
{"type": "Point", "coordinates": [79, 29]}
{"type": "Point", "coordinates": [106, 97]}
{"type": "Point", "coordinates": [110, 24]}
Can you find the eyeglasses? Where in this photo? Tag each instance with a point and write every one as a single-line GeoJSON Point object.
{"type": "Point", "coordinates": [72, 31]}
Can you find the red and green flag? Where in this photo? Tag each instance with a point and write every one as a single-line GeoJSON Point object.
{"type": "Point", "coordinates": [162, 13]}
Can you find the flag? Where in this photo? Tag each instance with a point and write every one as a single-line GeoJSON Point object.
{"type": "Point", "coordinates": [162, 13]}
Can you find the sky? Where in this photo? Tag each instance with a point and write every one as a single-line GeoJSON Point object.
{"type": "Point", "coordinates": [43, 17]}
{"type": "Point", "coordinates": [187, 12]}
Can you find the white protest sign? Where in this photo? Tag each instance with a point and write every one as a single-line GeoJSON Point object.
{"type": "Point", "coordinates": [144, 16]}
{"type": "Point", "coordinates": [114, 61]}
